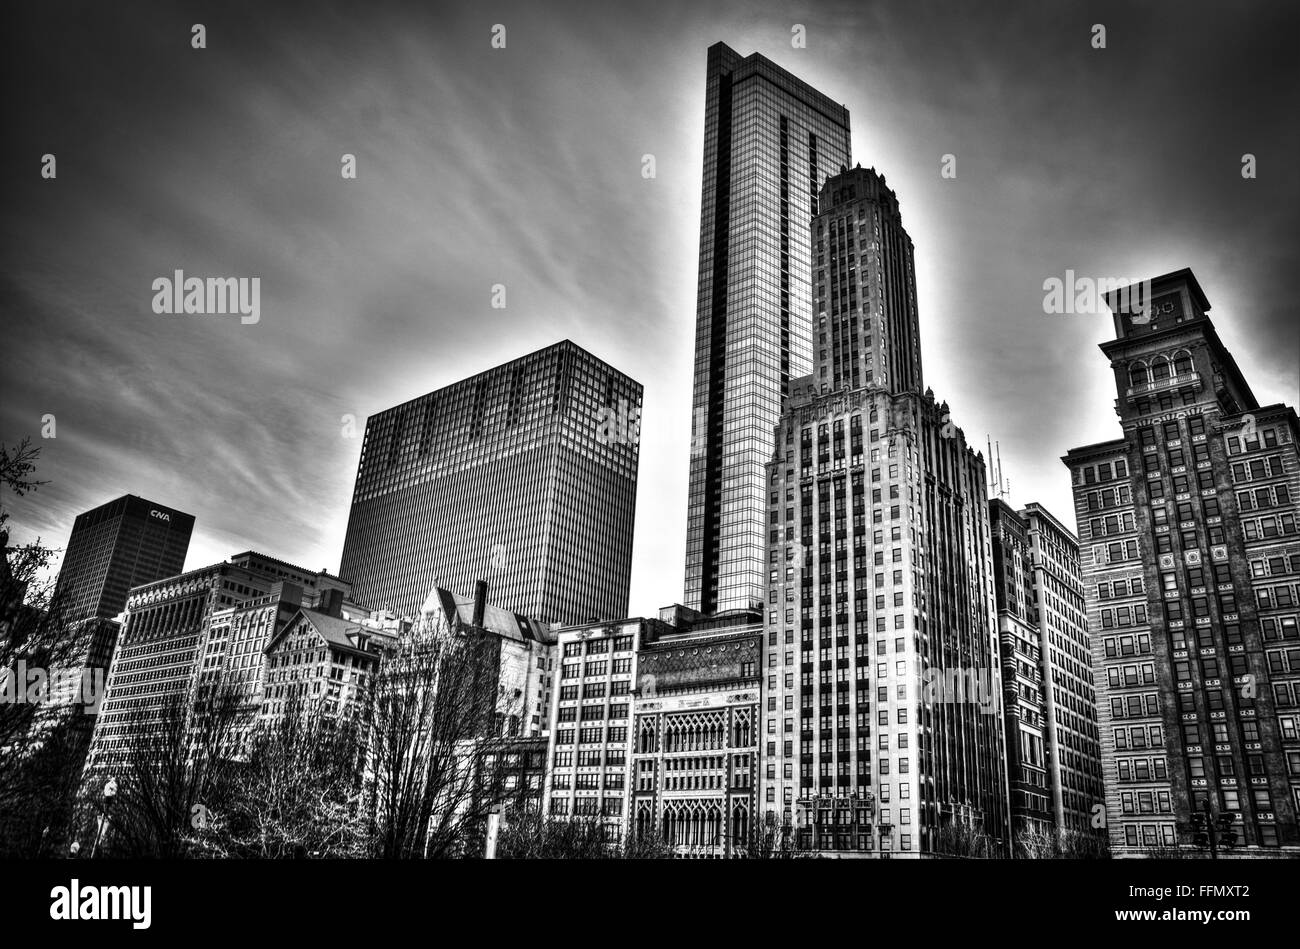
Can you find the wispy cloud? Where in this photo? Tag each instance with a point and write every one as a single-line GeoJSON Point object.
{"type": "Point", "coordinates": [522, 166]}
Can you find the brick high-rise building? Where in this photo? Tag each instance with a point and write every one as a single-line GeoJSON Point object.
{"type": "Point", "coordinates": [769, 142]}
{"type": "Point", "coordinates": [1069, 691]}
{"type": "Point", "coordinates": [524, 474]}
{"type": "Point", "coordinates": [883, 688]}
{"type": "Point", "coordinates": [1049, 701]}
{"type": "Point", "coordinates": [1020, 649]}
{"type": "Point", "coordinates": [1191, 561]}
{"type": "Point", "coordinates": [119, 545]}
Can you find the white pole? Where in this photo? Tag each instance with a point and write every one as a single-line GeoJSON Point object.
{"type": "Point", "coordinates": [494, 824]}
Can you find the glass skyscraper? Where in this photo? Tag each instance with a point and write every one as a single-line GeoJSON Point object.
{"type": "Point", "coordinates": [769, 142]}
{"type": "Point", "coordinates": [523, 475]}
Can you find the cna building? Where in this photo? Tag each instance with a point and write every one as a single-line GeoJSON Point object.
{"type": "Point", "coordinates": [125, 543]}
{"type": "Point", "coordinates": [524, 475]}
{"type": "Point", "coordinates": [1190, 553]}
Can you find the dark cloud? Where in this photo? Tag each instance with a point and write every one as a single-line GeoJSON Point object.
{"type": "Point", "coordinates": [522, 166]}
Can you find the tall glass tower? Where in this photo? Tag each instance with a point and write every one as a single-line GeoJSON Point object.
{"type": "Point", "coordinates": [523, 475]}
{"type": "Point", "coordinates": [769, 142]}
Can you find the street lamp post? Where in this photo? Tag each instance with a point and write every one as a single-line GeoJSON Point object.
{"type": "Point", "coordinates": [110, 792]}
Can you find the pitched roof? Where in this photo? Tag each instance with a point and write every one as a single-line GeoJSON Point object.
{"type": "Point", "coordinates": [460, 609]}
{"type": "Point", "coordinates": [338, 633]}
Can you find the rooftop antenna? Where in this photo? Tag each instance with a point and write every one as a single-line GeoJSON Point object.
{"type": "Point", "coordinates": [992, 473]}
{"type": "Point", "coordinates": [998, 447]}
{"type": "Point", "coordinates": [1003, 488]}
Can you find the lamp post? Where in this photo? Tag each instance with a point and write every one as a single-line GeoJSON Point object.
{"type": "Point", "coordinates": [110, 792]}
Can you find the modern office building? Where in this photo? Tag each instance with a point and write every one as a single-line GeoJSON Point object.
{"type": "Point", "coordinates": [693, 774]}
{"type": "Point", "coordinates": [881, 639]}
{"type": "Point", "coordinates": [524, 474]}
{"type": "Point", "coordinates": [769, 142]}
{"type": "Point", "coordinates": [1191, 561]}
{"type": "Point", "coordinates": [1049, 702]}
{"type": "Point", "coordinates": [123, 544]}
{"type": "Point", "coordinates": [164, 641]}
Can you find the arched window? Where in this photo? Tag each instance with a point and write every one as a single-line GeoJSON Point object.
{"type": "Point", "coordinates": [1137, 374]}
{"type": "Point", "coordinates": [1159, 369]}
{"type": "Point", "coordinates": [1182, 363]}
{"type": "Point", "coordinates": [739, 826]}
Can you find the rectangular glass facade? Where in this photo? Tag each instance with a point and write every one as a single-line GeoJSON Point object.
{"type": "Point", "coordinates": [524, 475]}
{"type": "Point", "coordinates": [769, 142]}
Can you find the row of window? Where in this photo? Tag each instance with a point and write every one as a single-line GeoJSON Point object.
{"type": "Point", "coordinates": [597, 646]}
{"type": "Point", "coordinates": [572, 670]}
{"type": "Point", "coordinates": [589, 736]}
{"type": "Point", "coordinates": [617, 712]}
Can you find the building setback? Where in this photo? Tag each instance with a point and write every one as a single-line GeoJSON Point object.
{"type": "Point", "coordinates": [524, 474]}
{"type": "Point", "coordinates": [1191, 557]}
{"type": "Point", "coordinates": [883, 687]}
{"type": "Point", "coordinates": [769, 142]}
{"type": "Point", "coordinates": [117, 546]}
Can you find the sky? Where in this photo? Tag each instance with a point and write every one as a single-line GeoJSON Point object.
{"type": "Point", "coordinates": [522, 166]}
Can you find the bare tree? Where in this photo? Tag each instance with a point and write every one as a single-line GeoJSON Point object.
{"type": "Point", "coordinates": [962, 839]}
{"type": "Point", "coordinates": [1163, 851]}
{"type": "Point", "coordinates": [435, 700]}
{"type": "Point", "coordinates": [41, 744]}
{"type": "Point", "coordinates": [177, 769]}
{"type": "Point", "coordinates": [770, 841]}
{"type": "Point", "coordinates": [1050, 844]}
{"type": "Point", "coordinates": [297, 794]}
{"type": "Point", "coordinates": [534, 836]}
